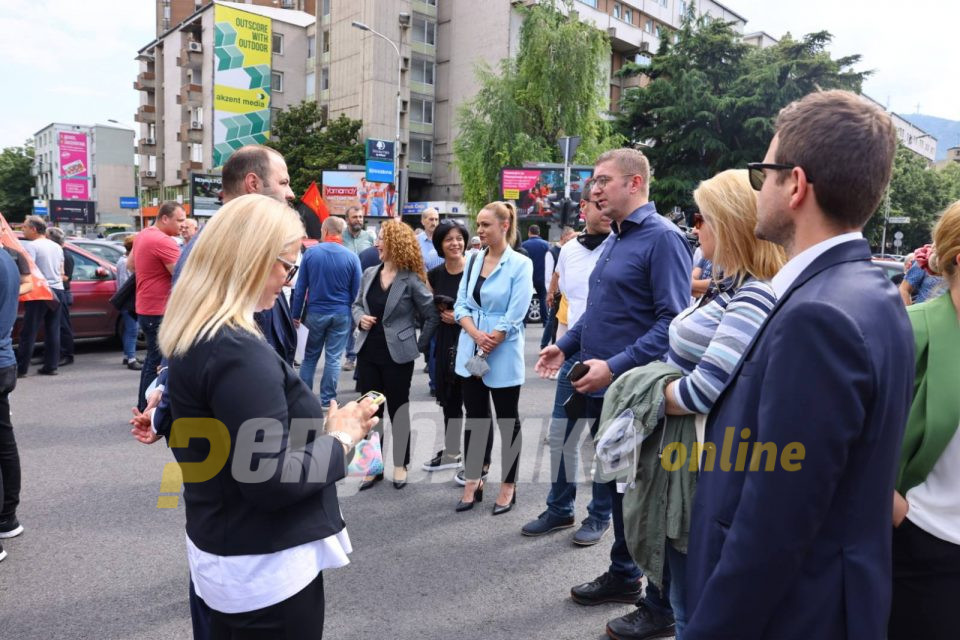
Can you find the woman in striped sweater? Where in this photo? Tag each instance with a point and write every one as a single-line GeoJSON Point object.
{"type": "Point", "coordinates": [709, 338]}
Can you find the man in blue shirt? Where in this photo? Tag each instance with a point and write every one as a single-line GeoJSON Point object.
{"type": "Point", "coordinates": [640, 283]}
{"type": "Point", "coordinates": [329, 281]}
{"type": "Point", "coordinates": [537, 249]}
{"type": "Point", "coordinates": [430, 218]}
{"type": "Point", "coordinates": [9, 457]}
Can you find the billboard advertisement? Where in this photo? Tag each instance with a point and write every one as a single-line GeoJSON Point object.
{"type": "Point", "coordinates": [74, 166]}
{"type": "Point", "coordinates": [78, 211]}
{"type": "Point", "coordinates": [241, 81]}
{"type": "Point", "coordinates": [345, 189]}
{"type": "Point", "coordinates": [532, 189]}
{"type": "Point", "coordinates": [206, 195]}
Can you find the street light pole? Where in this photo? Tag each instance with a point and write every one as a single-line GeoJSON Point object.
{"type": "Point", "coordinates": [396, 147]}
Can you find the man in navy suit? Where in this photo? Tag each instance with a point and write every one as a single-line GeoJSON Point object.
{"type": "Point", "coordinates": [797, 546]}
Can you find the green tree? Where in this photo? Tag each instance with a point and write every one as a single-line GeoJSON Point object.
{"type": "Point", "coordinates": [15, 182]}
{"type": "Point", "coordinates": [555, 86]}
{"type": "Point", "coordinates": [712, 100]}
{"type": "Point", "coordinates": [311, 143]}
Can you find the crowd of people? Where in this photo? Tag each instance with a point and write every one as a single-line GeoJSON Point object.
{"type": "Point", "coordinates": [779, 340]}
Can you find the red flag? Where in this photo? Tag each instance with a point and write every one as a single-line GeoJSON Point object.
{"type": "Point", "coordinates": [313, 200]}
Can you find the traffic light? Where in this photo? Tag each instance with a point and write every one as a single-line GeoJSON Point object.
{"type": "Point", "coordinates": [569, 212]}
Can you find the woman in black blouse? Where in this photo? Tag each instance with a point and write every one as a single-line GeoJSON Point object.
{"type": "Point", "coordinates": [392, 297]}
{"type": "Point", "coordinates": [266, 522]}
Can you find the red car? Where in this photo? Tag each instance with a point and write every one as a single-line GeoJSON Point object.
{"type": "Point", "coordinates": [94, 282]}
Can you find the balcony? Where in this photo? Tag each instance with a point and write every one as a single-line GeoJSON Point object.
{"type": "Point", "coordinates": [187, 167]}
{"type": "Point", "coordinates": [190, 95]}
{"type": "Point", "coordinates": [423, 8]}
{"type": "Point", "coordinates": [191, 55]}
{"type": "Point", "coordinates": [149, 179]}
{"type": "Point", "coordinates": [191, 132]}
{"type": "Point", "coordinates": [147, 147]}
{"type": "Point", "coordinates": [420, 169]}
{"type": "Point", "coordinates": [146, 81]}
{"type": "Point", "coordinates": [146, 114]}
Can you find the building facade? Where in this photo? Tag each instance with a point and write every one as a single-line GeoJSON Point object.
{"type": "Point", "coordinates": [170, 13]}
{"type": "Point", "coordinates": [914, 138]}
{"type": "Point", "coordinates": [88, 163]}
{"type": "Point", "coordinates": [203, 95]}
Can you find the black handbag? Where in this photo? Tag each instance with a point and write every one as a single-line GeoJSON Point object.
{"type": "Point", "coordinates": [125, 299]}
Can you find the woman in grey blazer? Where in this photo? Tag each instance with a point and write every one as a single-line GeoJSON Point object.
{"type": "Point", "coordinates": [393, 297]}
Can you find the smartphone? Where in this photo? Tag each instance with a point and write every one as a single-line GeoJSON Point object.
{"type": "Point", "coordinates": [577, 371]}
{"type": "Point", "coordinates": [375, 397]}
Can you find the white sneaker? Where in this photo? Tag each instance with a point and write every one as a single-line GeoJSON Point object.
{"type": "Point", "coordinates": [442, 461]}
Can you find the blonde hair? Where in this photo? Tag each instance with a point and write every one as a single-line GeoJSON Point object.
{"type": "Point", "coordinates": [946, 243]}
{"type": "Point", "coordinates": [227, 271]}
{"type": "Point", "coordinates": [505, 212]}
{"type": "Point", "coordinates": [729, 205]}
{"type": "Point", "coordinates": [400, 247]}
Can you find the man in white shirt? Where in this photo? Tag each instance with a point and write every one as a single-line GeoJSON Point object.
{"type": "Point", "coordinates": [571, 277]}
{"type": "Point", "coordinates": [48, 256]}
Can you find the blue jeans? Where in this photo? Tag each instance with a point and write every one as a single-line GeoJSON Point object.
{"type": "Point", "coordinates": [150, 325]}
{"type": "Point", "coordinates": [351, 349]}
{"type": "Point", "coordinates": [677, 563]}
{"type": "Point", "coordinates": [129, 335]}
{"type": "Point", "coordinates": [328, 334]}
{"type": "Point", "coordinates": [564, 436]}
{"type": "Point", "coordinates": [549, 328]}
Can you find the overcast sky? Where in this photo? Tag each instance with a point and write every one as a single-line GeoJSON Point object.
{"type": "Point", "coordinates": [73, 60]}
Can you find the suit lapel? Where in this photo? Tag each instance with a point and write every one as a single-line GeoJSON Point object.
{"type": "Point", "coordinates": [846, 252]}
{"type": "Point", "coordinates": [396, 292]}
{"type": "Point", "coordinates": [365, 282]}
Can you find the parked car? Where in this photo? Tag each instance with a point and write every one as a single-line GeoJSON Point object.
{"type": "Point", "coordinates": [109, 251]}
{"type": "Point", "coordinates": [533, 313]}
{"type": "Point", "coordinates": [94, 282]}
{"type": "Point", "coordinates": [119, 236]}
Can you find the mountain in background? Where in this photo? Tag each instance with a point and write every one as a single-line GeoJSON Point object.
{"type": "Point", "coordinates": [947, 132]}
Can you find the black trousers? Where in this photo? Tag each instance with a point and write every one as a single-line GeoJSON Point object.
{"type": "Point", "coordinates": [393, 381]}
{"type": "Point", "coordinates": [299, 617]}
{"type": "Point", "coordinates": [35, 313]}
{"type": "Point", "coordinates": [66, 327]}
{"type": "Point", "coordinates": [9, 457]}
{"type": "Point", "coordinates": [479, 428]}
{"type": "Point", "coordinates": [926, 585]}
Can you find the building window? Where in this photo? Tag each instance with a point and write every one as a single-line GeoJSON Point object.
{"type": "Point", "coordinates": [424, 31]}
{"type": "Point", "coordinates": [311, 84]}
{"type": "Point", "coordinates": [664, 3]}
{"type": "Point", "coordinates": [592, 3]}
{"type": "Point", "coordinates": [325, 79]}
{"type": "Point", "coordinates": [661, 32]}
{"type": "Point", "coordinates": [421, 110]}
{"type": "Point", "coordinates": [648, 26]}
{"type": "Point", "coordinates": [276, 81]}
{"type": "Point", "coordinates": [311, 47]}
{"type": "Point", "coordinates": [196, 153]}
{"type": "Point", "coordinates": [421, 150]}
{"type": "Point", "coordinates": [627, 15]}
{"type": "Point", "coordinates": [617, 9]}
{"type": "Point", "coordinates": [278, 43]}
{"type": "Point", "coordinates": [422, 70]}
{"type": "Point", "coordinates": [274, 114]}
{"type": "Point", "coordinates": [166, 13]}
{"type": "Point", "coordinates": [432, 3]}
{"type": "Point", "coordinates": [326, 41]}
{"type": "Point", "coordinates": [325, 8]}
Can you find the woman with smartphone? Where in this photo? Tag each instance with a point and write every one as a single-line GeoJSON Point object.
{"type": "Point", "coordinates": [393, 295]}
{"type": "Point", "coordinates": [261, 530]}
{"type": "Point", "coordinates": [492, 302]}
{"type": "Point", "coordinates": [450, 239]}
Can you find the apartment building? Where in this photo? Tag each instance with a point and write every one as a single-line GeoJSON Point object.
{"type": "Point", "coordinates": [91, 163]}
{"type": "Point", "coordinates": [212, 83]}
{"type": "Point", "coordinates": [915, 138]}
{"type": "Point", "coordinates": [170, 13]}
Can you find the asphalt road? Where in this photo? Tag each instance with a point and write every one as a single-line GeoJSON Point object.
{"type": "Point", "coordinates": [99, 560]}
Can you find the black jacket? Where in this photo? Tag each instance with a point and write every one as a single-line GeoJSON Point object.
{"type": "Point", "coordinates": [289, 498]}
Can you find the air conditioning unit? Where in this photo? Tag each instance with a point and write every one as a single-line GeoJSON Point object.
{"type": "Point", "coordinates": [194, 46]}
{"type": "Point", "coordinates": [149, 141]}
{"type": "Point", "coordinates": [195, 125]}
{"type": "Point", "coordinates": [149, 174]}
{"type": "Point", "coordinates": [644, 46]}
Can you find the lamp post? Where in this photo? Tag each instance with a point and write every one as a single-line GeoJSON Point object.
{"type": "Point", "coordinates": [396, 147]}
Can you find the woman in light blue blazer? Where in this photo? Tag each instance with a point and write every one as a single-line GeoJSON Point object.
{"type": "Point", "coordinates": [492, 302]}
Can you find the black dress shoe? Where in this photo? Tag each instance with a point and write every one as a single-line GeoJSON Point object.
{"type": "Point", "coordinates": [366, 484]}
{"type": "Point", "coordinates": [606, 588]}
{"type": "Point", "coordinates": [477, 497]}
{"type": "Point", "coordinates": [47, 372]}
{"type": "Point", "coordinates": [65, 360]}
{"type": "Point", "coordinates": [400, 484]}
{"type": "Point", "coordinates": [640, 624]}
{"type": "Point", "coordinates": [21, 375]}
{"type": "Point", "coordinates": [499, 509]}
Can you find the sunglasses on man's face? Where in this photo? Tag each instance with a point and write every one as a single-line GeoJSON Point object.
{"type": "Point", "coordinates": [757, 174]}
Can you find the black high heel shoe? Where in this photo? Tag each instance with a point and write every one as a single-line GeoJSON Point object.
{"type": "Point", "coordinates": [477, 497]}
{"type": "Point", "coordinates": [501, 509]}
{"type": "Point", "coordinates": [366, 484]}
{"type": "Point", "coordinates": [400, 484]}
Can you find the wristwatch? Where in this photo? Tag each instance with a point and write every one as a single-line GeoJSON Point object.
{"type": "Point", "coordinates": [344, 439]}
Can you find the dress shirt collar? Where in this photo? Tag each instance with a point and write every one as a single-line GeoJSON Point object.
{"type": "Point", "coordinates": [792, 270]}
{"type": "Point", "coordinates": [636, 218]}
